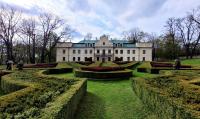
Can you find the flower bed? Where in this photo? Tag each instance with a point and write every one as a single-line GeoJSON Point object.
{"type": "Point", "coordinates": [40, 65]}
{"type": "Point", "coordinates": [58, 71]}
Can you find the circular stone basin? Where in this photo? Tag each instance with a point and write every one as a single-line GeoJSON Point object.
{"type": "Point", "coordinates": [102, 69]}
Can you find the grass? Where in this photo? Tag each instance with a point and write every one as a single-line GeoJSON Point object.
{"type": "Point", "coordinates": [110, 100]}
{"type": "Point", "coordinates": [193, 62]}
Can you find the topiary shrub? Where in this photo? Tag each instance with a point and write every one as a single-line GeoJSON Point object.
{"type": "Point", "coordinates": [103, 75]}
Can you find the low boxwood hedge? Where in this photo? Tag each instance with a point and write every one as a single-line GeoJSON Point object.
{"type": "Point", "coordinates": [169, 96]}
{"type": "Point", "coordinates": [36, 93]}
{"type": "Point", "coordinates": [103, 75]}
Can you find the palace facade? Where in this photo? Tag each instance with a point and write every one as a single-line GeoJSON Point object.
{"type": "Point", "coordinates": [103, 50]}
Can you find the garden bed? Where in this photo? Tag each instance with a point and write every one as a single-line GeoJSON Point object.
{"type": "Point", "coordinates": [34, 95]}
{"type": "Point", "coordinates": [58, 71]}
{"type": "Point", "coordinates": [170, 96]}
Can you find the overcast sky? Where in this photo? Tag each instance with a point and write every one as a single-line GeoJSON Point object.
{"type": "Point", "coordinates": [109, 16]}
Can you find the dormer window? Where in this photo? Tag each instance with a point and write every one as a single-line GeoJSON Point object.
{"type": "Point", "coordinates": [103, 43]}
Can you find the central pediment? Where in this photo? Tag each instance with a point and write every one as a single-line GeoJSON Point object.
{"type": "Point", "coordinates": [104, 42]}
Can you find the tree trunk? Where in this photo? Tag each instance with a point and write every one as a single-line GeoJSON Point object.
{"type": "Point", "coordinates": [33, 53]}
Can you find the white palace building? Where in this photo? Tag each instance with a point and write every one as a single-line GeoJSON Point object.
{"type": "Point", "coordinates": [104, 49]}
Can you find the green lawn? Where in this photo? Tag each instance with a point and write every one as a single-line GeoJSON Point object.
{"type": "Point", "coordinates": [193, 62]}
{"type": "Point", "coordinates": [110, 100]}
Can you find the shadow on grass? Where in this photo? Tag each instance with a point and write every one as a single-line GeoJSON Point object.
{"type": "Point", "coordinates": [91, 107]}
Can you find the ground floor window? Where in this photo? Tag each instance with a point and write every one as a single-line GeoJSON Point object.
{"type": "Point", "coordinates": [97, 58]}
{"type": "Point", "coordinates": [128, 58]}
{"type": "Point", "coordinates": [143, 59]}
{"type": "Point", "coordinates": [121, 58]}
{"type": "Point", "coordinates": [109, 58]}
{"type": "Point", "coordinates": [74, 58]}
{"type": "Point", "coordinates": [79, 59]}
{"type": "Point", "coordinates": [63, 58]}
{"type": "Point", "coordinates": [133, 58]}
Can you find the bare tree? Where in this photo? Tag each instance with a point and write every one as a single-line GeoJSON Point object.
{"type": "Point", "coordinates": [65, 33]}
{"type": "Point", "coordinates": [195, 16]}
{"type": "Point", "coordinates": [28, 28]}
{"type": "Point", "coordinates": [9, 20]}
{"type": "Point", "coordinates": [134, 35]}
{"type": "Point", "coordinates": [186, 28]}
{"type": "Point", "coordinates": [170, 36]}
{"type": "Point", "coordinates": [49, 24]}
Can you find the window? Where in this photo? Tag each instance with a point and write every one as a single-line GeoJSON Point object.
{"type": "Point", "coordinates": [74, 51]}
{"type": "Point", "coordinates": [85, 51]}
{"type": "Point", "coordinates": [90, 51]}
{"type": "Point", "coordinates": [109, 51]}
{"type": "Point", "coordinates": [143, 59]}
{"type": "Point", "coordinates": [63, 58]}
{"type": "Point", "coordinates": [63, 51]}
{"type": "Point", "coordinates": [121, 51]}
{"type": "Point", "coordinates": [133, 58]}
{"type": "Point", "coordinates": [109, 59]}
{"type": "Point", "coordinates": [144, 51]}
{"type": "Point", "coordinates": [133, 51]}
{"type": "Point", "coordinates": [121, 58]}
{"type": "Point", "coordinates": [128, 58]}
{"type": "Point", "coordinates": [85, 58]}
{"type": "Point", "coordinates": [103, 43]}
{"type": "Point", "coordinates": [79, 51]}
{"type": "Point", "coordinates": [74, 58]}
{"type": "Point", "coordinates": [104, 51]}
{"type": "Point", "coordinates": [116, 51]}
{"type": "Point", "coordinates": [97, 58]}
{"type": "Point", "coordinates": [79, 59]}
{"type": "Point", "coordinates": [128, 51]}
{"type": "Point", "coordinates": [97, 51]}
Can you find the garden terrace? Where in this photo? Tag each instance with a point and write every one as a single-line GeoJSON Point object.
{"type": "Point", "coordinates": [31, 94]}
{"type": "Point", "coordinates": [172, 95]}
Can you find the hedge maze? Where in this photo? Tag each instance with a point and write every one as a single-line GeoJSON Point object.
{"type": "Point", "coordinates": [35, 93]}
{"type": "Point", "coordinates": [174, 95]}
{"type": "Point", "coordinates": [31, 94]}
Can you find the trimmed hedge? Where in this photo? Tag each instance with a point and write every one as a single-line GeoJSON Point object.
{"type": "Point", "coordinates": [58, 71]}
{"type": "Point", "coordinates": [37, 94]}
{"type": "Point", "coordinates": [65, 106]}
{"type": "Point", "coordinates": [166, 64]}
{"type": "Point", "coordinates": [103, 75]}
{"type": "Point", "coordinates": [160, 103]}
{"type": "Point", "coordinates": [102, 69]}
